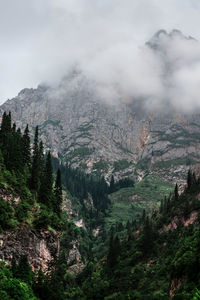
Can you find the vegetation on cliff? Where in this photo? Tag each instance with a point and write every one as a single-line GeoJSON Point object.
{"type": "Point", "coordinates": [153, 256]}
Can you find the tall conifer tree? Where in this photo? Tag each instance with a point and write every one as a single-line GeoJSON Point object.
{"type": "Point", "coordinates": [46, 192]}
{"type": "Point", "coordinates": [176, 195]}
{"type": "Point", "coordinates": [34, 181]}
{"type": "Point", "coordinates": [26, 148]}
{"type": "Point", "coordinates": [58, 193]}
{"type": "Point", "coordinates": [189, 179]}
{"type": "Point", "coordinates": [112, 185]}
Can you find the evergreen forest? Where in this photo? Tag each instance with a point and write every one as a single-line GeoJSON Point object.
{"type": "Point", "coordinates": [156, 256]}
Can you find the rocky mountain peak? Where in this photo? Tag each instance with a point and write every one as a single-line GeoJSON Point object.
{"type": "Point", "coordinates": [123, 139]}
{"type": "Point", "coordinates": [162, 37]}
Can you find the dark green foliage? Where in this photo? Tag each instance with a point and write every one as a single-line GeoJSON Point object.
{"type": "Point", "coordinates": [46, 195]}
{"type": "Point", "coordinates": [112, 185]}
{"type": "Point", "coordinates": [20, 171]}
{"type": "Point", "coordinates": [146, 237]}
{"type": "Point", "coordinates": [143, 266]}
{"type": "Point", "coordinates": [58, 193]}
{"type": "Point", "coordinates": [41, 160]}
{"type": "Point", "coordinates": [121, 165]}
{"type": "Point", "coordinates": [35, 169]}
{"type": "Point", "coordinates": [26, 147]}
{"type": "Point", "coordinates": [22, 211]}
{"type": "Point", "coordinates": [122, 183]}
{"type": "Point", "coordinates": [113, 251]}
{"type": "Point", "coordinates": [81, 186]}
{"type": "Point", "coordinates": [46, 217]}
{"type": "Point", "coordinates": [41, 286]}
{"type": "Point", "coordinates": [11, 145]}
{"type": "Point", "coordinates": [12, 285]}
{"type": "Point", "coordinates": [6, 123]}
{"type": "Point", "coordinates": [136, 260]}
{"type": "Point", "coordinates": [189, 179]}
{"type": "Point", "coordinates": [7, 218]}
{"type": "Point", "coordinates": [197, 295]}
{"type": "Point", "coordinates": [176, 195]}
{"type": "Point", "coordinates": [22, 270]}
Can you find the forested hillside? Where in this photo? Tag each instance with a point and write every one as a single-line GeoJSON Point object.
{"type": "Point", "coordinates": [156, 255]}
{"type": "Point", "coordinates": [156, 259]}
{"type": "Point", "coordinates": [31, 189]}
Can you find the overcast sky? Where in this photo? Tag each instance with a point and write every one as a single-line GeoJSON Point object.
{"type": "Point", "coordinates": [42, 39]}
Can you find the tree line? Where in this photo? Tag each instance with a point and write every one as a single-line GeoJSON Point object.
{"type": "Point", "coordinates": [30, 171]}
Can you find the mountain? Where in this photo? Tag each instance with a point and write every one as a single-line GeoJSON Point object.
{"type": "Point", "coordinates": [46, 252]}
{"type": "Point", "coordinates": [157, 260]}
{"type": "Point", "coordinates": [94, 240]}
{"type": "Point", "coordinates": [123, 138]}
{"type": "Point", "coordinates": [159, 38]}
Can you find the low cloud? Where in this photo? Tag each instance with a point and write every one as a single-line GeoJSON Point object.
{"type": "Point", "coordinates": [42, 40]}
{"type": "Point", "coordinates": [164, 73]}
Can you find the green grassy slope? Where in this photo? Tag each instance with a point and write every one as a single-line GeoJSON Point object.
{"type": "Point", "coordinates": [128, 203]}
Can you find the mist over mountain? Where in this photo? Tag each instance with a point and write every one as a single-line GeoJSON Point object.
{"type": "Point", "coordinates": [163, 74]}
{"type": "Point", "coordinates": [123, 129]}
{"type": "Point", "coordinates": [147, 121]}
{"type": "Point", "coordinates": [99, 149]}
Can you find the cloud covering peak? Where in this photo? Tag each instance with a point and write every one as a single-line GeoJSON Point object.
{"type": "Point", "coordinates": [41, 40]}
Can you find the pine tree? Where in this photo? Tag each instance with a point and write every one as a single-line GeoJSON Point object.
{"type": "Point", "coordinates": [26, 148]}
{"type": "Point", "coordinates": [14, 267]}
{"type": "Point", "coordinates": [110, 249]}
{"type": "Point", "coordinates": [189, 179]}
{"type": "Point", "coordinates": [34, 181]}
{"type": "Point", "coordinates": [16, 154]}
{"type": "Point", "coordinates": [114, 250]}
{"type": "Point", "coordinates": [143, 215]}
{"type": "Point", "coordinates": [168, 203]}
{"type": "Point", "coordinates": [24, 270]}
{"type": "Point", "coordinates": [194, 179]}
{"type": "Point", "coordinates": [46, 191]}
{"type": "Point", "coordinates": [165, 205]}
{"type": "Point", "coordinates": [58, 193]}
{"type": "Point", "coordinates": [161, 206]}
{"type": "Point", "coordinates": [112, 185]}
{"type": "Point", "coordinates": [6, 123]}
{"type": "Point", "coordinates": [14, 128]}
{"type": "Point", "coordinates": [49, 172]}
{"type": "Point", "coordinates": [146, 238]}
{"type": "Point", "coordinates": [128, 227]}
{"type": "Point", "coordinates": [41, 160]}
{"type": "Point", "coordinates": [11, 144]}
{"type": "Point", "coordinates": [6, 139]}
{"type": "Point", "coordinates": [176, 195]}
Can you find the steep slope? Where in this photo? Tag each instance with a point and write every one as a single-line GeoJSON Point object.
{"type": "Point", "coordinates": [124, 137]}
{"type": "Point", "coordinates": [159, 259]}
{"type": "Point", "coordinates": [149, 258]}
{"type": "Point", "coordinates": [32, 216]}
{"type": "Point", "coordinates": [96, 135]}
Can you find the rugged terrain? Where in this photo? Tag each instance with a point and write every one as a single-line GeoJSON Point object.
{"type": "Point", "coordinates": [101, 235]}
{"type": "Point", "coordinates": [123, 138]}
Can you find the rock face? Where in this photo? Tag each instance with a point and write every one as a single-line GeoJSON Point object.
{"type": "Point", "coordinates": [95, 135]}
{"type": "Point", "coordinates": [74, 261]}
{"type": "Point", "coordinates": [99, 137]}
{"type": "Point", "coordinates": [41, 247]}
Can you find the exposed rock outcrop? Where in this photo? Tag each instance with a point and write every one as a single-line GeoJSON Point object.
{"type": "Point", "coordinates": [74, 259]}
{"type": "Point", "coordinates": [176, 283]}
{"type": "Point", "coordinates": [189, 220]}
{"type": "Point", "coordinates": [79, 126]}
{"type": "Point", "coordinates": [94, 135]}
{"type": "Point", "coordinates": [41, 247]}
